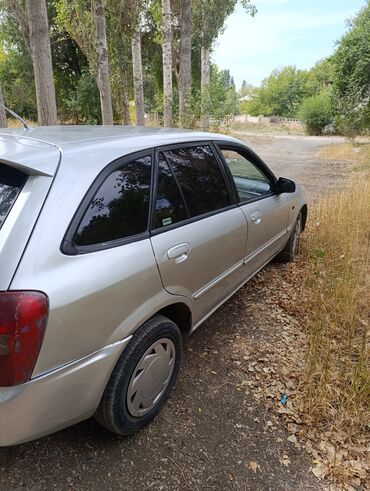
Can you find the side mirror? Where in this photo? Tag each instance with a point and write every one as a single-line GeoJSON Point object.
{"type": "Point", "coordinates": [285, 185]}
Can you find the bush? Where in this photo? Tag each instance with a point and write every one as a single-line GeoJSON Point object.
{"type": "Point", "coordinates": [316, 113]}
{"type": "Point", "coordinates": [83, 104]}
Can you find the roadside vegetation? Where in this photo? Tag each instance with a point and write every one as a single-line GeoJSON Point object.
{"type": "Point", "coordinates": [312, 368]}
{"type": "Point", "coordinates": [334, 396]}
{"type": "Point", "coordinates": [337, 271]}
{"type": "Point", "coordinates": [155, 67]}
{"type": "Point", "coordinates": [270, 128]}
{"type": "Point", "coordinates": [335, 91]}
{"type": "Point", "coordinates": [155, 62]}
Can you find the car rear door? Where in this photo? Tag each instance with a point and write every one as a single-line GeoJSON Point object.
{"type": "Point", "coordinates": [266, 212]}
{"type": "Point", "coordinates": [198, 232]}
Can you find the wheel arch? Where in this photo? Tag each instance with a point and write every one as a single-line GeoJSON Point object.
{"type": "Point", "coordinates": [304, 212]}
{"type": "Point", "coordinates": [180, 314]}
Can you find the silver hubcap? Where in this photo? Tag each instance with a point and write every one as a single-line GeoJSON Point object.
{"type": "Point", "coordinates": [297, 231]}
{"type": "Point", "coordinates": [151, 377]}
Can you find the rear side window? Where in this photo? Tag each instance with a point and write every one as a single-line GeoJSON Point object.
{"type": "Point", "coordinates": [120, 207]}
{"type": "Point", "coordinates": [11, 184]}
{"type": "Point", "coordinates": [200, 178]}
{"type": "Point", "coordinates": [170, 207]}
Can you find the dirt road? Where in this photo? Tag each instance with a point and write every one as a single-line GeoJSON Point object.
{"type": "Point", "coordinates": [297, 157]}
{"type": "Point", "coordinates": [212, 434]}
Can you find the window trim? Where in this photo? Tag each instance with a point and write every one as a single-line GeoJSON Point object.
{"type": "Point", "coordinates": [176, 183]}
{"type": "Point", "coordinates": [176, 146]}
{"type": "Point", "coordinates": [249, 155]}
{"type": "Point", "coordinates": [68, 246]}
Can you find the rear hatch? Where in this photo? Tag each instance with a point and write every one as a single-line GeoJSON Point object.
{"type": "Point", "coordinates": [27, 168]}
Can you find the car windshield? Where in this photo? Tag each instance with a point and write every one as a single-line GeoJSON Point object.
{"type": "Point", "coordinates": [11, 183]}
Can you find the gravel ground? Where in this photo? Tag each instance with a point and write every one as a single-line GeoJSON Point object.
{"type": "Point", "coordinates": [212, 434]}
{"type": "Point", "coordinates": [297, 157]}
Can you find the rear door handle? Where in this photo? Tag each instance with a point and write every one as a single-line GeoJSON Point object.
{"type": "Point", "coordinates": [179, 252]}
{"type": "Point", "coordinates": [256, 217]}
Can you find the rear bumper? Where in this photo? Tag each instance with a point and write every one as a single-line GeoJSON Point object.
{"type": "Point", "coordinates": [57, 399]}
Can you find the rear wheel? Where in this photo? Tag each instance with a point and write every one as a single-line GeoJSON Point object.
{"type": "Point", "coordinates": [291, 249]}
{"type": "Point", "coordinates": [143, 377]}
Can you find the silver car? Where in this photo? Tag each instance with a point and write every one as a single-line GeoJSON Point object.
{"type": "Point", "coordinates": [115, 243]}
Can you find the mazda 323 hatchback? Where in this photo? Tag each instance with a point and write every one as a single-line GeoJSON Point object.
{"type": "Point", "coordinates": [115, 243]}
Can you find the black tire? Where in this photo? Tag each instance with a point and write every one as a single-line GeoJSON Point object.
{"type": "Point", "coordinates": [291, 249]}
{"type": "Point", "coordinates": [113, 411]}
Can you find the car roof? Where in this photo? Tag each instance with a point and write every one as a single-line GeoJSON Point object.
{"type": "Point", "coordinates": [69, 134]}
{"type": "Point", "coordinates": [48, 142]}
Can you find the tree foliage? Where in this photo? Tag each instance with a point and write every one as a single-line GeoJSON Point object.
{"type": "Point", "coordinates": [343, 79]}
{"type": "Point", "coordinates": [223, 96]}
{"type": "Point", "coordinates": [316, 113]}
{"type": "Point", "coordinates": [282, 93]}
{"type": "Point", "coordinates": [352, 73]}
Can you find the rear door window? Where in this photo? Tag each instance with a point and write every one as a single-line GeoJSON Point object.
{"type": "Point", "coordinates": [170, 207]}
{"type": "Point", "coordinates": [200, 178]}
{"type": "Point", "coordinates": [120, 207]}
{"type": "Point", "coordinates": [11, 184]}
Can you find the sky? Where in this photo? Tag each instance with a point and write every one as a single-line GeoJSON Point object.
{"type": "Point", "coordinates": [283, 32]}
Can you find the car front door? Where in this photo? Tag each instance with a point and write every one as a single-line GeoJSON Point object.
{"type": "Point", "coordinates": [266, 212]}
{"type": "Point", "coordinates": [198, 232]}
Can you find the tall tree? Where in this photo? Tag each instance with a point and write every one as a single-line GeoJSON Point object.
{"type": "Point", "coordinates": [204, 82]}
{"type": "Point", "coordinates": [352, 73]}
{"type": "Point", "coordinates": [102, 61]}
{"type": "Point", "coordinates": [87, 27]}
{"type": "Point", "coordinates": [119, 21]}
{"type": "Point", "coordinates": [167, 63]}
{"type": "Point", "coordinates": [138, 76]}
{"type": "Point", "coordinates": [209, 23]}
{"type": "Point", "coordinates": [185, 59]}
{"type": "Point", "coordinates": [41, 59]}
{"type": "Point", "coordinates": [3, 119]}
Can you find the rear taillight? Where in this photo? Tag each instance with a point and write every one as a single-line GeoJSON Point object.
{"type": "Point", "coordinates": [23, 318]}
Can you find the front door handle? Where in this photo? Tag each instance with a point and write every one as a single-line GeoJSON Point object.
{"type": "Point", "coordinates": [179, 252]}
{"type": "Point", "coordinates": [256, 217]}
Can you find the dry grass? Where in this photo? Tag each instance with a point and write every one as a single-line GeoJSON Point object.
{"type": "Point", "coordinates": [338, 250]}
{"type": "Point", "coordinates": [337, 272]}
{"type": "Point", "coordinates": [14, 123]}
{"type": "Point", "coordinates": [318, 357]}
{"type": "Point", "coordinates": [357, 153]}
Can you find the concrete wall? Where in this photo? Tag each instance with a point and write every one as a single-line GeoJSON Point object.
{"type": "Point", "coordinates": [246, 118]}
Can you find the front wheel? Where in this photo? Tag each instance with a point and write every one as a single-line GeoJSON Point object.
{"type": "Point", "coordinates": [291, 249]}
{"type": "Point", "coordinates": [143, 377]}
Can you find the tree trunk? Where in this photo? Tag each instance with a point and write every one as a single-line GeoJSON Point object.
{"type": "Point", "coordinates": [185, 60]}
{"type": "Point", "coordinates": [167, 63]}
{"type": "Point", "coordinates": [102, 61]}
{"type": "Point", "coordinates": [125, 107]}
{"type": "Point", "coordinates": [3, 118]}
{"type": "Point", "coordinates": [125, 110]}
{"type": "Point", "coordinates": [138, 77]}
{"type": "Point", "coordinates": [42, 64]}
{"type": "Point", "coordinates": [205, 69]}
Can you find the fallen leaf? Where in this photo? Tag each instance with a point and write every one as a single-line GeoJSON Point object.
{"type": "Point", "coordinates": [285, 460]}
{"type": "Point", "coordinates": [254, 466]}
{"type": "Point", "coordinates": [320, 470]}
{"type": "Point", "coordinates": [292, 439]}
